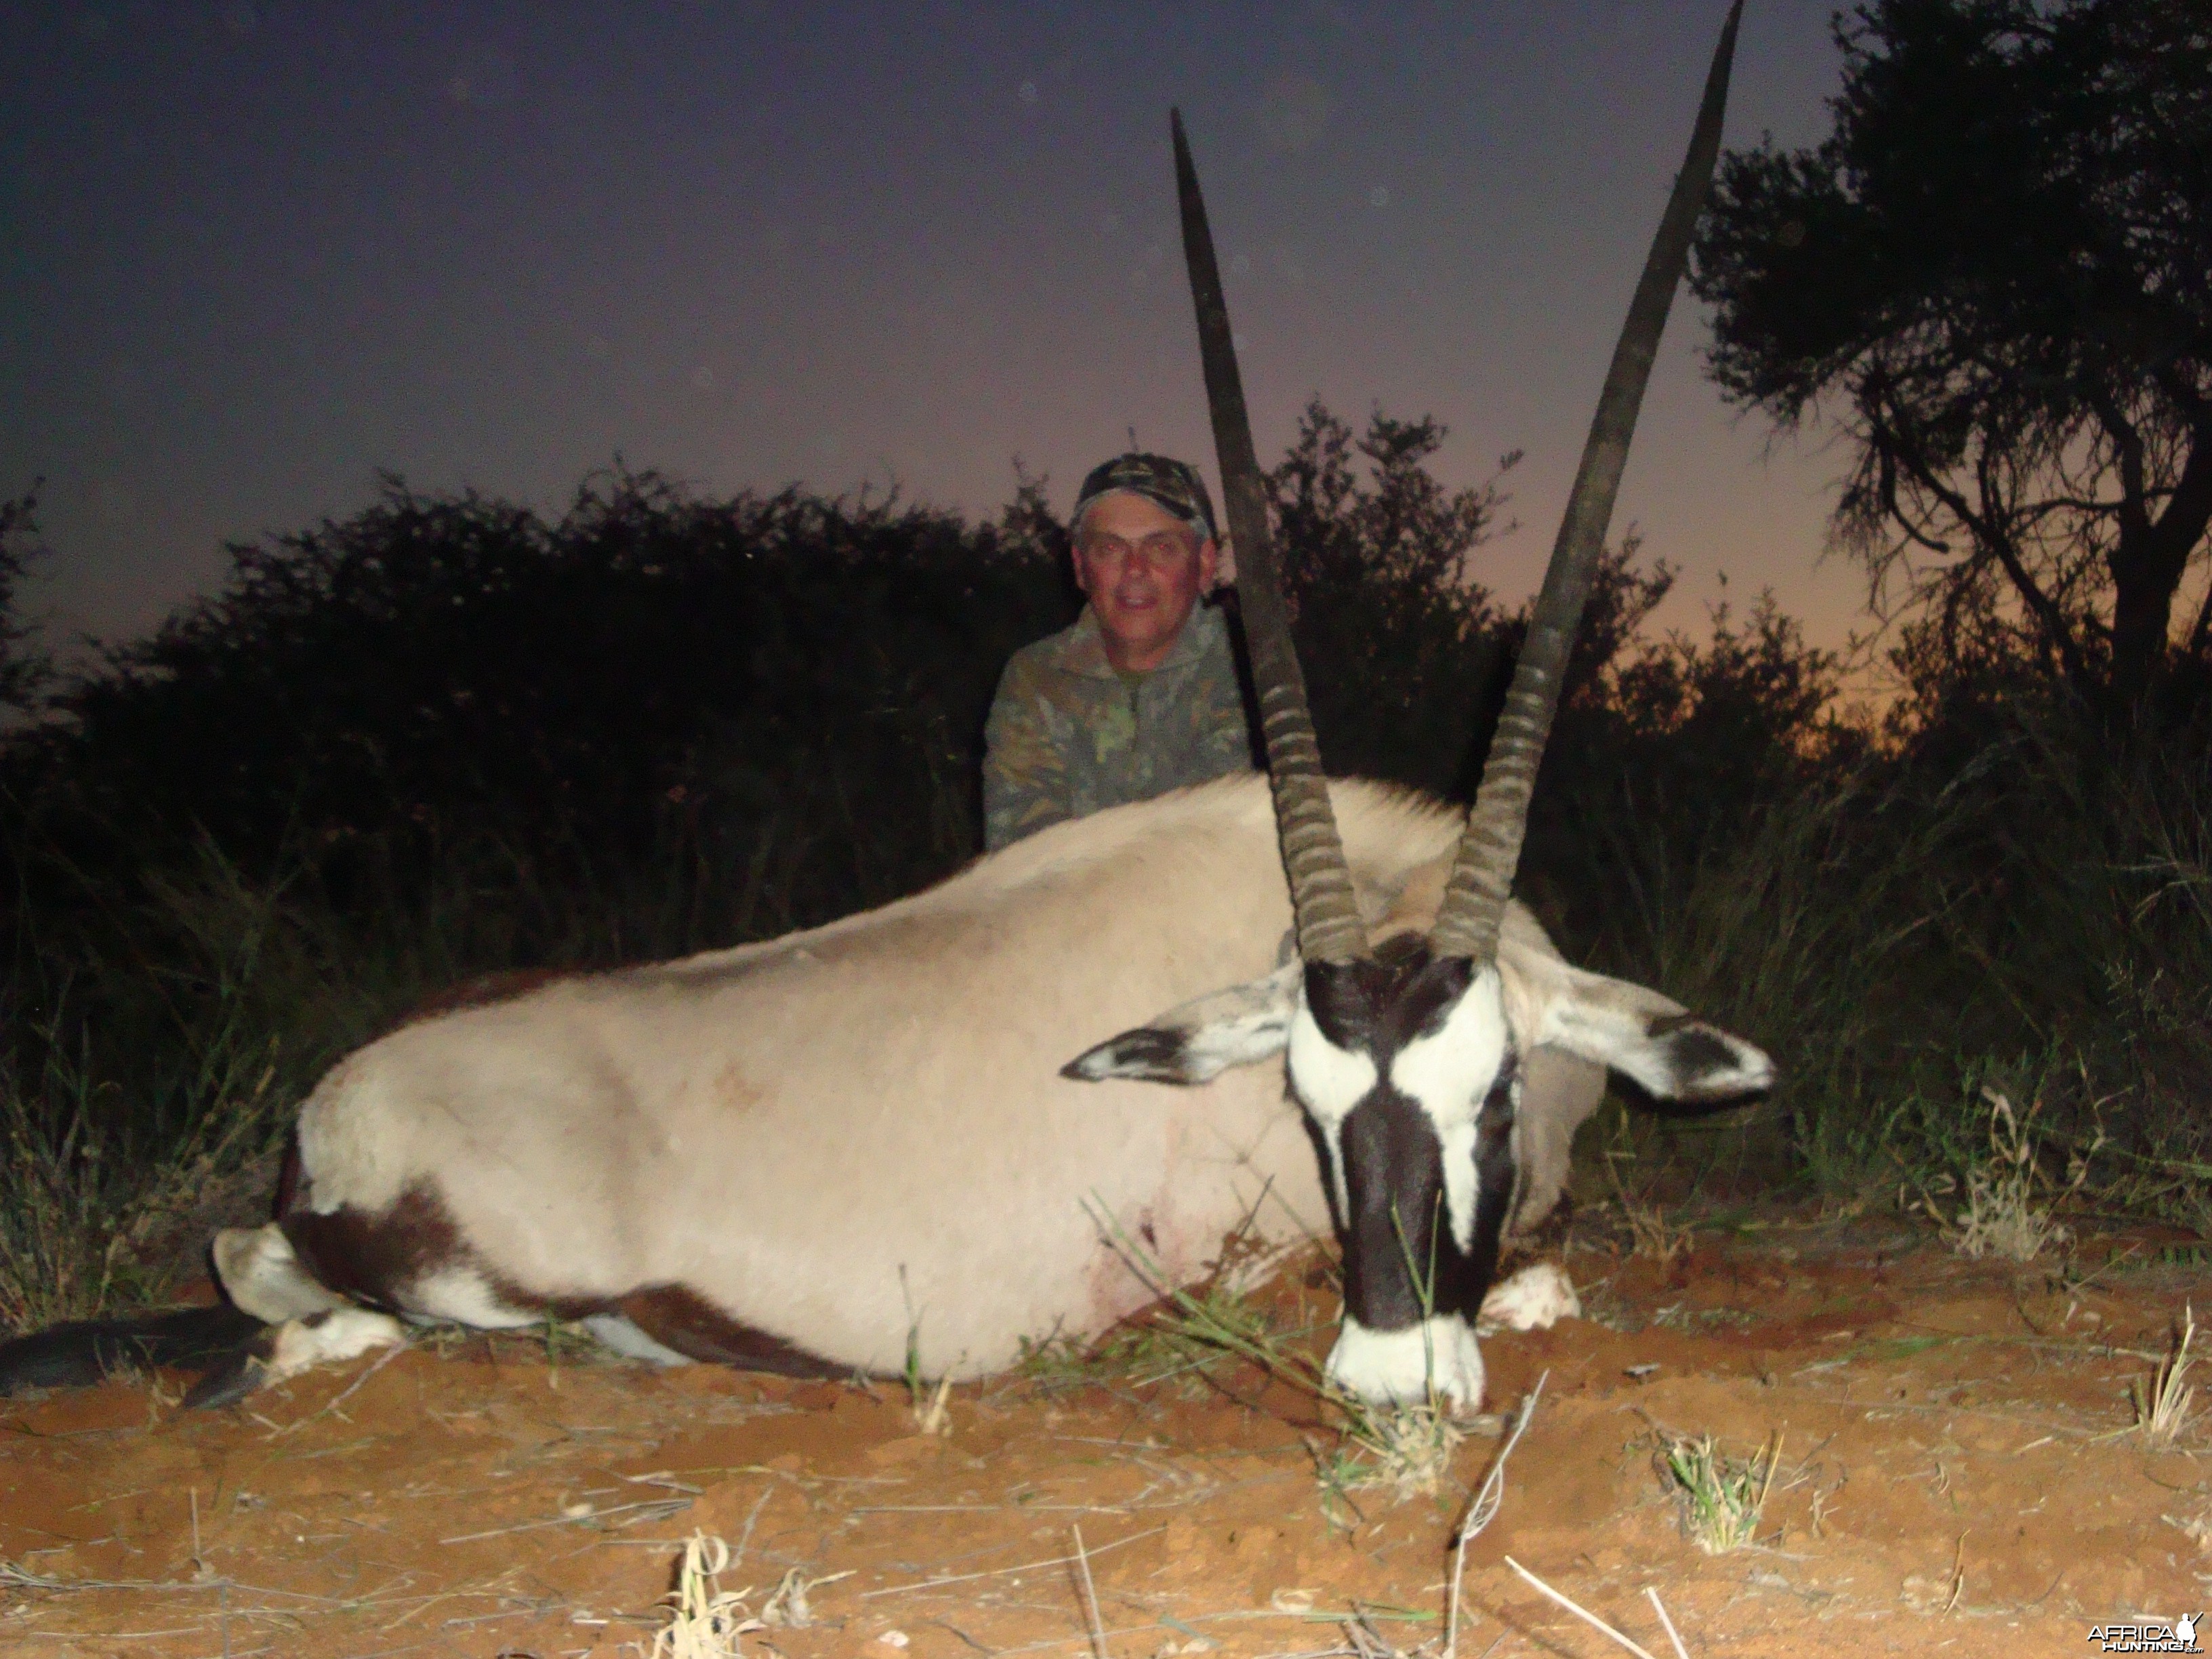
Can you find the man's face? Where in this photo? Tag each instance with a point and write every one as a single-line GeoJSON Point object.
{"type": "Point", "coordinates": [1143, 569]}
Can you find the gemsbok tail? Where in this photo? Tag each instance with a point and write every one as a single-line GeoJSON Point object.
{"type": "Point", "coordinates": [221, 1342]}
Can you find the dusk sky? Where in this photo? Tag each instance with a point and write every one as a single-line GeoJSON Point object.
{"type": "Point", "coordinates": [251, 253]}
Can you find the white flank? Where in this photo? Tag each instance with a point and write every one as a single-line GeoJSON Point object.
{"type": "Point", "coordinates": [461, 1295]}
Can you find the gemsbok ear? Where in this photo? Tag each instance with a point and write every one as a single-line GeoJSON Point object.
{"type": "Point", "coordinates": [1196, 1042]}
{"type": "Point", "coordinates": [1651, 1039]}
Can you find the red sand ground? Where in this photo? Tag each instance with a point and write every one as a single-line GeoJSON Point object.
{"type": "Point", "coordinates": [1956, 1477]}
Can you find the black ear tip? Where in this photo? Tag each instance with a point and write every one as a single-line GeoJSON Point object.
{"type": "Point", "coordinates": [1697, 1051]}
{"type": "Point", "coordinates": [1146, 1053]}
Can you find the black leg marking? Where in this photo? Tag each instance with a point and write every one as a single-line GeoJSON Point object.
{"type": "Point", "coordinates": [679, 1318]}
{"type": "Point", "coordinates": [373, 1259]}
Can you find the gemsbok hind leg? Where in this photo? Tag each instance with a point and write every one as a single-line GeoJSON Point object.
{"type": "Point", "coordinates": [307, 1324]}
{"type": "Point", "coordinates": [308, 1275]}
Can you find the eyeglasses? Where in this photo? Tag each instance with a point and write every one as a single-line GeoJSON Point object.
{"type": "Point", "coordinates": [1161, 551]}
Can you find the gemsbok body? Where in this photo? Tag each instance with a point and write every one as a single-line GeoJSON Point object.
{"type": "Point", "coordinates": [952, 1122]}
{"type": "Point", "coordinates": [792, 1155]}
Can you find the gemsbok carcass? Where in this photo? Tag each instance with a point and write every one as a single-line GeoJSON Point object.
{"type": "Point", "coordinates": [903, 1128]}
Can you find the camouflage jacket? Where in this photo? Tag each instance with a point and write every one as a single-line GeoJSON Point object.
{"type": "Point", "coordinates": [1067, 736]}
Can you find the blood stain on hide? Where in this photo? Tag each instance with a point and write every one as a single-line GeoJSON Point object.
{"type": "Point", "coordinates": [736, 1093]}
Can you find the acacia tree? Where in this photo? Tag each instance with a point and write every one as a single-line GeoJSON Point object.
{"type": "Point", "coordinates": [1994, 276]}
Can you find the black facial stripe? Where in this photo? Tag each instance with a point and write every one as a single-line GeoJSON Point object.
{"type": "Point", "coordinates": [1400, 1225]}
{"type": "Point", "coordinates": [1393, 1174]}
{"type": "Point", "coordinates": [1343, 998]}
{"type": "Point", "coordinates": [1494, 1176]}
{"type": "Point", "coordinates": [1429, 1001]}
{"type": "Point", "coordinates": [1505, 1094]}
{"type": "Point", "coordinates": [1399, 1228]}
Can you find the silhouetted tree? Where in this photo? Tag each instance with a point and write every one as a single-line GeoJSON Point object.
{"type": "Point", "coordinates": [1996, 275]}
{"type": "Point", "coordinates": [655, 721]}
{"type": "Point", "coordinates": [571, 691]}
{"type": "Point", "coordinates": [1400, 644]}
{"type": "Point", "coordinates": [23, 673]}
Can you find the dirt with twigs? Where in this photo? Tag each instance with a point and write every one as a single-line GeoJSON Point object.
{"type": "Point", "coordinates": [1956, 1469]}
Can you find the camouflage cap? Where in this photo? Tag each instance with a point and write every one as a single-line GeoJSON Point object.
{"type": "Point", "coordinates": [1171, 484]}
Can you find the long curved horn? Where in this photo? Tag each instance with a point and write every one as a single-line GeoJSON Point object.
{"type": "Point", "coordinates": [1329, 929]}
{"type": "Point", "coordinates": [1473, 906]}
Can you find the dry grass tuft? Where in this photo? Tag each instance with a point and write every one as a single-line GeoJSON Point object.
{"type": "Point", "coordinates": [1651, 1234]}
{"type": "Point", "coordinates": [932, 1411]}
{"type": "Point", "coordinates": [929, 1405]}
{"type": "Point", "coordinates": [705, 1620]}
{"type": "Point", "coordinates": [2162, 1405]}
{"type": "Point", "coordinates": [1723, 1497]}
{"type": "Point", "coordinates": [1407, 1449]}
{"type": "Point", "coordinates": [1190, 1343]}
{"type": "Point", "coordinates": [787, 1606]}
{"type": "Point", "coordinates": [2001, 1216]}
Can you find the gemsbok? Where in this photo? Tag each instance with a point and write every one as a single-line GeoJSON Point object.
{"type": "Point", "coordinates": [804, 1155]}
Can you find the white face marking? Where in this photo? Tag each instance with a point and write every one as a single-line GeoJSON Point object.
{"type": "Point", "coordinates": [1438, 1357]}
{"type": "Point", "coordinates": [1448, 1075]}
{"type": "Point", "coordinates": [1329, 1082]}
{"type": "Point", "coordinates": [1456, 1141]}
